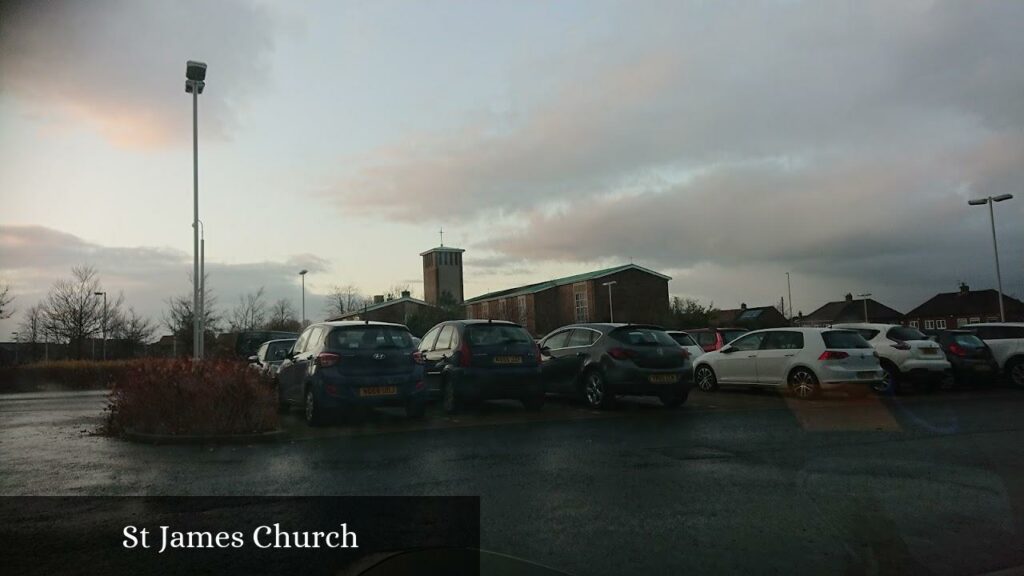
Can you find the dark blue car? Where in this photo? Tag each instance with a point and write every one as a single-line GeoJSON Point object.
{"type": "Point", "coordinates": [337, 365]}
{"type": "Point", "coordinates": [475, 360]}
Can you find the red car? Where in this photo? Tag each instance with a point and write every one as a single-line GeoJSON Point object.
{"type": "Point", "coordinates": [711, 339]}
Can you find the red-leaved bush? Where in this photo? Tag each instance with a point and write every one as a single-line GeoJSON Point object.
{"type": "Point", "coordinates": [175, 397]}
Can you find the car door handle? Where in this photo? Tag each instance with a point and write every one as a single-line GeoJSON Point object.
{"type": "Point", "coordinates": [752, 356]}
{"type": "Point", "coordinates": [790, 355]}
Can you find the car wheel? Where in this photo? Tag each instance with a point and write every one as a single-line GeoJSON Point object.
{"type": "Point", "coordinates": [451, 401]}
{"type": "Point", "coordinates": [314, 411]}
{"type": "Point", "coordinates": [705, 378]}
{"type": "Point", "coordinates": [674, 398]}
{"type": "Point", "coordinates": [415, 410]}
{"type": "Point", "coordinates": [533, 403]}
{"type": "Point", "coordinates": [1015, 369]}
{"type": "Point", "coordinates": [804, 384]}
{"type": "Point", "coordinates": [595, 390]}
{"type": "Point", "coordinates": [889, 384]}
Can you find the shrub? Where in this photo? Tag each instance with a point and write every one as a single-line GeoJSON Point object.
{"type": "Point", "coordinates": [65, 375]}
{"type": "Point", "coordinates": [173, 397]}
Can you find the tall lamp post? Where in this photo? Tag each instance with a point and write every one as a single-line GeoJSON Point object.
{"type": "Point", "coordinates": [104, 294]}
{"type": "Point", "coordinates": [789, 291]}
{"type": "Point", "coordinates": [865, 297]}
{"type": "Point", "coordinates": [611, 309]}
{"type": "Point", "coordinates": [303, 274]}
{"type": "Point", "coordinates": [202, 288]}
{"type": "Point", "coordinates": [195, 81]}
{"type": "Point", "coordinates": [990, 200]}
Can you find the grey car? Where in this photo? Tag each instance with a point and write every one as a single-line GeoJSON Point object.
{"type": "Point", "coordinates": [598, 362]}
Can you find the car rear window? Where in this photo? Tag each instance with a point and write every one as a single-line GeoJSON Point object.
{"type": "Point", "coordinates": [495, 334]}
{"type": "Point", "coordinates": [730, 335]}
{"type": "Point", "coordinates": [642, 337]}
{"type": "Point", "coordinates": [968, 341]}
{"type": "Point", "coordinates": [905, 333]}
{"type": "Point", "coordinates": [369, 338]}
{"type": "Point", "coordinates": [867, 333]}
{"type": "Point", "coordinates": [683, 339]}
{"type": "Point", "coordinates": [844, 340]}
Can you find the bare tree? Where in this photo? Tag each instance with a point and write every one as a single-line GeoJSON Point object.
{"type": "Point", "coordinates": [251, 312]}
{"type": "Point", "coordinates": [72, 309]}
{"type": "Point", "coordinates": [396, 290]}
{"type": "Point", "coordinates": [135, 330]}
{"type": "Point", "coordinates": [282, 317]}
{"type": "Point", "coordinates": [344, 299]}
{"type": "Point", "coordinates": [33, 328]}
{"type": "Point", "coordinates": [178, 317]}
{"type": "Point", "coordinates": [6, 298]}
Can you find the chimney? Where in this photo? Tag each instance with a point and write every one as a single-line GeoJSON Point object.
{"type": "Point", "coordinates": [964, 288]}
{"type": "Point", "coordinates": [849, 297]}
{"type": "Point", "coordinates": [743, 306]}
{"type": "Point", "coordinates": [405, 293]}
{"type": "Point", "coordinates": [378, 299]}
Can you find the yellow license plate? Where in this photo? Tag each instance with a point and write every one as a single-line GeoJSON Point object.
{"type": "Point", "coordinates": [931, 351]}
{"type": "Point", "coordinates": [378, 391]}
{"type": "Point", "coordinates": [508, 359]}
{"type": "Point", "coordinates": [663, 378]}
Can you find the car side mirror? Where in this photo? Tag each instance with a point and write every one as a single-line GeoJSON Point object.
{"type": "Point", "coordinates": [545, 350]}
{"type": "Point", "coordinates": [255, 359]}
{"type": "Point", "coordinates": [727, 350]}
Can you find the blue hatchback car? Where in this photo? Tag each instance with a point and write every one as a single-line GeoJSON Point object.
{"type": "Point", "coordinates": [336, 365]}
{"type": "Point", "coordinates": [475, 360]}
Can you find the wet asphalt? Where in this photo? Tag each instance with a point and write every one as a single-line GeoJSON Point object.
{"type": "Point", "coordinates": [733, 482]}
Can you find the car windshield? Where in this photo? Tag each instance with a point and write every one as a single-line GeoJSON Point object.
{"type": "Point", "coordinates": [683, 339]}
{"type": "Point", "coordinates": [844, 339]}
{"type": "Point", "coordinates": [495, 334]}
{"type": "Point", "coordinates": [905, 333]}
{"type": "Point", "coordinates": [730, 335]}
{"type": "Point", "coordinates": [369, 338]}
{"type": "Point", "coordinates": [643, 337]}
{"type": "Point", "coordinates": [277, 350]}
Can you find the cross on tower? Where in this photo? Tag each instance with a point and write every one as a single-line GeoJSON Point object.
{"type": "Point", "coordinates": [441, 232]}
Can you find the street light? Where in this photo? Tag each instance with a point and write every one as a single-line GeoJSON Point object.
{"type": "Point", "coordinates": [195, 81]}
{"type": "Point", "coordinates": [995, 247]}
{"type": "Point", "coordinates": [789, 290]}
{"type": "Point", "coordinates": [303, 274]}
{"type": "Point", "coordinates": [611, 310]}
{"type": "Point", "coordinates": [865, 298]}
{"type": "Point", "coordinates": [104, 294]}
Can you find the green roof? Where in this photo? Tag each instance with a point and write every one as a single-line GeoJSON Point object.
{"type": "Point", "coordinates": [539, 286]}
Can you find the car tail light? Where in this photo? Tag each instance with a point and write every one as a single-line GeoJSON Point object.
{"type": "Point", "coordinates": [326, 359]}
{"type": "Point", "coordinates": [957, 350]}
{"type": "Point", "coordinates": [833, 355]}
{"type": "Point", "coordinates": [417, 357]}
{"type": "Point", "coordinates": [465, 354]}
{"type": "Point", "coordinates": [331, 390]}
{"type": "Point", "coordinates": [900, 345]}
{"type": "Point", "coordinates": [621, 353]}
{"type": "Point", "coordinates": [684, 353]}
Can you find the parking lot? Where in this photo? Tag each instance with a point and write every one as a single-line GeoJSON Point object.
{"type": "Point", "coordinates": [923, 483]}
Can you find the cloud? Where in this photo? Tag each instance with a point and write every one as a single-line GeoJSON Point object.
{"type": "Point", "coordinates": [36, 256]}
{"type": "Point", "coordinates": [118, 66]}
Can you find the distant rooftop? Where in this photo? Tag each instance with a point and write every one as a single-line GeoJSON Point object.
{"type": "Point", "coordinates": [539, 286]}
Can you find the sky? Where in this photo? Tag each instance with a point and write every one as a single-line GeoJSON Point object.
{"type": "Point", "coordinates": [721, 143]}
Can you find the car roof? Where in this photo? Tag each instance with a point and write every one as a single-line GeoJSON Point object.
{"type": "Point", "coordinates": [801, 330]}
{"type": "Point", "coordinates": [349, 323]}
{"type": "Point", "coordinates": [281, 340]}
{"type": "Point", "coordinates": [869, 325]}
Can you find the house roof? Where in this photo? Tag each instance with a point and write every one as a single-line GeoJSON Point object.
{"type": "Point", "coordinates": [378, 306]}
{"type": "Point", "coordinates": [442, 249]}
{"type": "Point", "coordinates": [853, 310]}
{"type": "Point", "coordinates": [539, 286]}
{"type": "Point", "coordinates": [748, 314]}
{"type": "Point", "coordinates": [971, 302]}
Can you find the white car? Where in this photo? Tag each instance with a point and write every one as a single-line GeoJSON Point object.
{"type": "Point", "coordinates": [905, 354]}
{"type": "Point", "coordinates": [687, 343]}
{"type": "Point", "coordinates": [804, 360]}
{"type": "Point", "coordinates": [1006, 340]}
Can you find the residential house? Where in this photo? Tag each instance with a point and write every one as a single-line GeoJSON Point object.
{"type": "Point", "coordinates": [751, 318]}
{"type": "Point", "coordinates": [954, 309]}
{"type": "Point", "coordinates": [851, 310]}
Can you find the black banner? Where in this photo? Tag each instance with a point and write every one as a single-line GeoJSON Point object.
{"type": "Point", "coordinates": [239, 535]}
